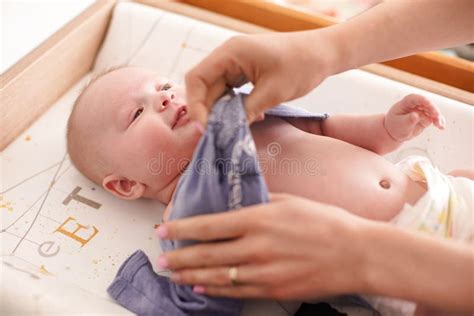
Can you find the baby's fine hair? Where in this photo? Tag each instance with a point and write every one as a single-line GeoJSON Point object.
{"type": "Point", "coordinates": [90, 161]}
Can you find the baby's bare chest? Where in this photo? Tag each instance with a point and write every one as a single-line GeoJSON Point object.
{"type": "Point", "coordinates": [325, 169]}
{"type": "Point", "coordinates": [280, 144]}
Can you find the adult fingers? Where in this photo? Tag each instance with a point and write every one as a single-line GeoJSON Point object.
{"type": "Point", "coordinates": [232, 252]}
{"type": "Point", "coordinates": [231, 76]}
{"type": "Point", "coordinates": [208, 80]}
{"type": "Point", "coordinates": [218, 226]}
{"type": "Point", "coordinates": [210, 226]}
{"type": "Point", "coordinates": [262, 97]}
{"type": "Point", "coordinates": [262, 274]}
{"type": "Point", "coordinates": [200, 93]}
{"type": "Point", "coordinates": [205, 276]}
{"type": "Point", "coordinates": [198, 113]}
{"type": "Point", "coordinates": [242, 291]}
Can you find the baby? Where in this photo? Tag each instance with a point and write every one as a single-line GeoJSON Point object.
{"type": "Point", "coordinates": [129, 131]}
{"type": "Point", "coordinates": [130, 117]}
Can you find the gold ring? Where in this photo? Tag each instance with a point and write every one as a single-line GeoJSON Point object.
{"type": "Point", "coordinates": [233, 275]}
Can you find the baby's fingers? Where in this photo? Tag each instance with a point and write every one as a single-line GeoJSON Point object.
{"type": "Point", "coordinates": [412, 119]}
{"type": "Point", "coordinates": [433, 117]}
{"type": "Point", "coordinates": [440, 122]}
{"type": "Point", "coordinates": [424, 121]}
{"type": "Point", "coordinates": [431, 111]}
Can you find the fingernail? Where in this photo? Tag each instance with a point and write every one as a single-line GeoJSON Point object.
{"type": "Point", "coordinates": [199, 126]}
{"type": "Point", "coordinates": [199, 289]}
{"type": "Point", "coordinates": [162, 262]}
{"type": "Point", "coordinates": [442, 121]}
{"type": "Point", "coordinates": [175, 277]}
{"type": "Point", "coordinates": [162, 232]}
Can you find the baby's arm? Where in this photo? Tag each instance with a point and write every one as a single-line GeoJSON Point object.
{"type": "Point", "coordinates": [383, 133]}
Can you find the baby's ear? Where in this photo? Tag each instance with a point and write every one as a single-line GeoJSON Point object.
{"type": "Point", "coordinates": [123, 188]}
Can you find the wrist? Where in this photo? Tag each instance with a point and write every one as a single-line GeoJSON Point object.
{"type": "Point", "coordinates": [387, 129]}
{"type": "Point", "coordinates": [359, 232]}
{"type": "Point", "coordinates": [369, 271]}
{"type": "Point", "coordinates": [366, 234]}
{"type": "Point", "coordinates": [338, 59]}
{"type": "Point", "coordinates": [390, 267]}
{"type": "Point", "coordinates": [328, 53]}
{"type": "Point", "coordinates": [343, 58]}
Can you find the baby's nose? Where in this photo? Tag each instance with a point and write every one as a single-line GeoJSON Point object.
{"type": "Point", "coordinates": [165, 101]}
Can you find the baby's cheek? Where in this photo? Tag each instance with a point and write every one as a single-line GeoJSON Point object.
{"type": "Point", "coordinates": [160, 147]}
{"type": "Point", "coordinates": [181, 147]}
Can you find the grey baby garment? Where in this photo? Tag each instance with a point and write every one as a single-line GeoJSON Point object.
{"type": "Point", "coordinates": [223, 175]}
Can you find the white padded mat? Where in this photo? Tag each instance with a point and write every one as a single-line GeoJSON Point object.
{"type": "Point", "coordinates": [63, 238]}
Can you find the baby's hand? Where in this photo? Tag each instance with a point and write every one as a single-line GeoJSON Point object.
{"type": "Point", "coordinates": [410, 116]}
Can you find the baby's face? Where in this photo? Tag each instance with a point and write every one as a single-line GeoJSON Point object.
{"type": "Point", "coordinates": [142, 123]}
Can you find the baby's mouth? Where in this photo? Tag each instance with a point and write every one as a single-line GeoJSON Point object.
{"type": "Point", "coordinates": [180, 113]}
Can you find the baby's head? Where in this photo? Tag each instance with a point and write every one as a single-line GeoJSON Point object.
{"type": "Point", "coordinates": [129, 132]}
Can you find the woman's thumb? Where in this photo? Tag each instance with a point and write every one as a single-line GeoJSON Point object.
{"type": "Point", "coordinates": [263, 97]}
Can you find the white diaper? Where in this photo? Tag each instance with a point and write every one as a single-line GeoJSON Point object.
{"type": "Point", "coordinates": [446, 210]}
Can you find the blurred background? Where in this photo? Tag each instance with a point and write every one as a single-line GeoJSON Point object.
{"type": "Point", "coordinates": [27, 23]}
{"type": "Point", "coordinates": [342, 10]}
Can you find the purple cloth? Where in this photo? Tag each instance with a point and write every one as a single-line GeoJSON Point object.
{"type": "Point", "coordinates": [223, 175]}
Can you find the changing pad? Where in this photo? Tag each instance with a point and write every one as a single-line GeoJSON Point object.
{"type": "Point", "coordinates": [63, 238]}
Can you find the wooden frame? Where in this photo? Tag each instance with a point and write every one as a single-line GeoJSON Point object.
{"type": "Point", "coordinates": [452, 71]}
{"type": "Point", "coordinates": [33, 84]}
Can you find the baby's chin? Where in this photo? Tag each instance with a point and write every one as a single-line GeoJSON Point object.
{"type": "Point", "coordinates": [188, 139]}
{"type": "Point", "coordinates": [190, 130]}
{"type": "Point", "coordinates": [188, 123]}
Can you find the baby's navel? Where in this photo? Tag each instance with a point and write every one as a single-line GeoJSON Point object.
{"type": "Point", "coordinates": [384, 184]}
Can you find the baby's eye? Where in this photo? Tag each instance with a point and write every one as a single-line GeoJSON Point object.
{"type": "Point", "coordinates": [166, 86]}
{"type": "Point", "coordinates": [137, 114]}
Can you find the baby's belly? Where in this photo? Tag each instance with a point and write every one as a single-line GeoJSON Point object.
{"type": "Point", "coordinates": [328, 170]}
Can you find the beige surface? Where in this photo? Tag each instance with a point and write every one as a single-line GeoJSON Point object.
{"type": "Point", "coordinates": [38, 179]}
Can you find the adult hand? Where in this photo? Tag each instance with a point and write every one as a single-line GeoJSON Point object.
{"type": "Point", "coordinates": [282, 66]}
{"type": "Point", "coordinates": [289, 248]}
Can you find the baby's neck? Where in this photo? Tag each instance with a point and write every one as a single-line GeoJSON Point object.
{"type": "Point", "coordinates": [169, 202]}
{"type": "Point", "coordinates": [165, 195]}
